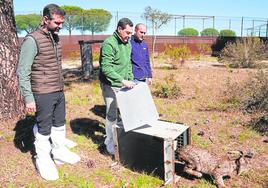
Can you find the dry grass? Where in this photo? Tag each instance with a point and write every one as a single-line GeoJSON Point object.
{"type": "Point", "coordinates": [199, 106]}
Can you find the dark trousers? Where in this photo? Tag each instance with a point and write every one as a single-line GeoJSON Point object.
{"type": "Point", "coordinates": [50, 111]}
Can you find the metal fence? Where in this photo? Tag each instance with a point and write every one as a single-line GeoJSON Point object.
{"type": "Point", "coordinates": [243, 26]}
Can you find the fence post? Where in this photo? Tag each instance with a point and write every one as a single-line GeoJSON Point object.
{"type": "Point", "coordinates": [266, 28]}
{"type": "Point", "coordinates": [183, 19]}
{"type": "Point", "coordinates": [253, 28]}
{"type": "Point", "coordinates": [175, 26]}
{"type": "Point", "coordinates": [86, 58]}
{"type": "Point", "coordinates": [242, 26]}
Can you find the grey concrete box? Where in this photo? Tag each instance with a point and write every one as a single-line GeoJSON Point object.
{"type": "Point", "coordinates": [143, 142]}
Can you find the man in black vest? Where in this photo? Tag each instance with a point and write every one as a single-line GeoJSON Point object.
{"type": "Point", "coordinates": [41, 83]}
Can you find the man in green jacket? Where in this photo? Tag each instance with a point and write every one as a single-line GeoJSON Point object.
{"type": "Point", "coordinates": [115, 73]}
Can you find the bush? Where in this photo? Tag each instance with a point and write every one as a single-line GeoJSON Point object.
{"type": "Point", "coordinates": [177, 54]}
{"type": "Point", "coordinates": [260, 124]}
{"type": "Point", "coordinates": [74, 55]}
{"type": "Point", "coordinates": [244, 53]}
{"type": "Point", "coordinates": [188, 32]}
{"type": "Point", "coordinates": [96, 55]}
{"type": "Point", "coordinates": [227, 33]}
{"type": "Point", "coordinates": [251, 96]}
{"type": "Point", "coordinates": [204, 49]}
{"type": "Point", "coordinates": [210, 32]}
{"type": "Point", "coordinates": [257, 103]}
{"type": "Point", "coordinates": [168, 89]}
{"type": "Point", "coordinates": [258, 99]}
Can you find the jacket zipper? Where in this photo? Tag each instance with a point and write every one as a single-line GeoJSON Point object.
{"type": "Point", "coordinates": [55, 47]}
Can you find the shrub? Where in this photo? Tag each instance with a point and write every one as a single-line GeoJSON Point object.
{"type": "Point", "coordinates": [96, 55]}
{"type": "Point", "coordinates": [227, 33]}
{"type": "Point", "coordinates": [204, 49]}
{"type": "Point", "coordinates": [188, 32]}
{"type": "Point", "coordinates": [260, 124]}
{"type": "Point", "coordinates": [251, 96]}
{"type": "Point", "coordinates": [177, 54]}
{"type": "Point", "coordinates": [74, 55]}
{"type": "Point", "coordinates": [168, 89]}
{"type": "Point", "coordinates": [257, 101]}
{"type": "Point", "coordinates": [210, 32]}
{"type": "Point", "coordinates": [244, 53]}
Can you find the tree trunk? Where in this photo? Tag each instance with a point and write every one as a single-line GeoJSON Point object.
{"type": "Point", "coordinates": [70, 25]}
{"type": "Point", "coordinates": [11, 104]}
{"type": "Point", "coordinates": [92, 34]}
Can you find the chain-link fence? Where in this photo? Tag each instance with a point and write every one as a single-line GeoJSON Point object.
{"type": "Point", "coordinates": [242, 26]}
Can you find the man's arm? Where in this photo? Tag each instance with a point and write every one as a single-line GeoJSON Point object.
{"type": "Point", "coordinates": [27, 55]}
{"type": "Point", "coordinates": [107, 59]}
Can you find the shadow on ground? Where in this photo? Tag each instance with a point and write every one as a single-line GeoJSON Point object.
{"type": "Point", "coordinates": [24, 137]}
{"type": "Point", "coordinates": [92, 130]}
{"type": "Point", "coordinates": [75, 75]}
{"type": "Point", "coordinates": [179, 171]}
{"type": "Point", "coordinates": [99, 110]}
{"type": "Point", "coordinates": [260, 125]}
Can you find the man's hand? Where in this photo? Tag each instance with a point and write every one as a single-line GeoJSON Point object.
{"type": "Point", "coordinates": [30, 107]}
{"type": "Point", "coordinates": [128, 84]}
{"type": "Point", "coordinates": [149, 81]}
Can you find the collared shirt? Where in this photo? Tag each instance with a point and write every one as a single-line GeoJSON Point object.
{"type": "Point", "coordinates": [140, 59]}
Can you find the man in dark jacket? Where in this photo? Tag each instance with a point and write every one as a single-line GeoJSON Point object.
{"type": "Point", "coordinates": [41, 83]}
{"type": "Point", "coordinates": [140, 57]}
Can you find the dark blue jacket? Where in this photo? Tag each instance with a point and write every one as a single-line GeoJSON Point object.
{"type": "Point", "coordinates": [140, 59]}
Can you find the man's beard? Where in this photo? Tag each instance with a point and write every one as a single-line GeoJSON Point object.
{"type": "Point", "coordinates": [55, 31]}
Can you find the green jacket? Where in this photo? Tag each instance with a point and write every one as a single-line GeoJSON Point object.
{"type": "Point", "coordinates": [115, 63]}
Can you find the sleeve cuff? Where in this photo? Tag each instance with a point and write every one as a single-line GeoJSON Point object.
{"type": "Point", "coordinates": [29, 99]}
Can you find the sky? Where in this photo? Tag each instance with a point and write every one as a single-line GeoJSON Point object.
{"type": "Point", "coordinates": [235, 9]}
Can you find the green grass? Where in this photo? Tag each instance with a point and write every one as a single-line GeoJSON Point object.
{"type": "Point", "coordinates": [218, 106]}
{"type": "Point", "coordinates": [67, 178]}
{"type": "Point", "coordinates": [144, 181]}
{"type": "Point", "coordinates": [81, 101]}
{"type": "Point", "coordinates": [36, 184]}
{"type": "Point", "coordinates": [104, 176]}
{"type": "Point", "coordinates": [205, 58]}
{"type": "Point", "coordinates": [260, 178]}
{"type": "Point", "coordinates": [246, 135]}
{"type": "Point", "coordinates": [203, 183]}
{"type": "Point", "coordinates": [84, 142]}
{"type": "Point", "coordinates": [223, 134]}
{"type": "Point", "coordinates": [199, 140]}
